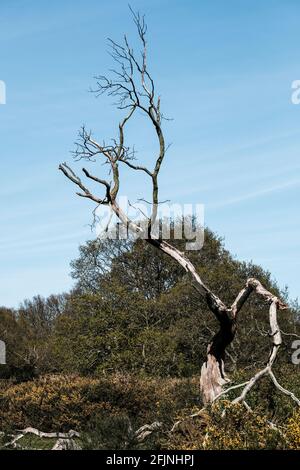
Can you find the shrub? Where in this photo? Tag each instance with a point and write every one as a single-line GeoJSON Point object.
{"type": "Point", "coordinates": [233, 427]}
{"type": "Point", "coordinates": [292, 431]}
{"type": "Point", "coordinates": [226, 426]}
{"type": "Point", "coordinates": [50, 403]}
{"type": "Point", "coordinates": [64, 402]}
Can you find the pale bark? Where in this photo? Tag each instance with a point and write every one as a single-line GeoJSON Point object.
{"type": "Point", "coordinates": [275, 335]}
{"type": "Point", "coordinates": [64, 441]}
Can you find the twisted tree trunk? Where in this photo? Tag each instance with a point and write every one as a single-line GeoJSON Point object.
{"type": "Point", "coordinates": [213, 377]}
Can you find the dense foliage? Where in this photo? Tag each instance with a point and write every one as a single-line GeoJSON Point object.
{"type": "Point", "coordinates": [127, 344]}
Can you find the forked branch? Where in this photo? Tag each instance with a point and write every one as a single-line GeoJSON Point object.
{"type": "Point", "coordinates": [275, 335]}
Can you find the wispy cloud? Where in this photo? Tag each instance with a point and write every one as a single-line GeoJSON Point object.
{"type": "Point", "coordinates": [37, 244]}
{"type": "Point", "coordinates": [255, 194]}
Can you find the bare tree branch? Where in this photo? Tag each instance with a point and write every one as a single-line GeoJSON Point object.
{"type": "Point", "coordinates": [68, 172]}
{"type": "Point", "coordinates": [276, 341]}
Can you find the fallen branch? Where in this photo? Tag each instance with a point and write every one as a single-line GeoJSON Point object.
{"type": "Point", "coordinates": [64, 441]}
{"type": "Point", "coordinates": [146, 430]}
{"type": "Point", "coordinates": [51, 435]}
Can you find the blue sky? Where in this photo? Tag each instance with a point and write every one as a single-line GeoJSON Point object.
{"type": "Point", "coordinates": [224, 71]}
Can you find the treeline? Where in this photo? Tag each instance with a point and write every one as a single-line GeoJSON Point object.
{"type": "Point", "coordinates": [133, 311]}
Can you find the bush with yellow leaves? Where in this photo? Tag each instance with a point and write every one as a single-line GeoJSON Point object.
{"type": "Point", "coordinates": [234, 427]}
{"type": "Point", "coordinates": [292, 431]}
{"type": "Point", "coordinates": [63, 402]}
{"type": "Point", "coordinates": [50, 403]}
{"type": "Point", "coordinates": [97, 406]}
{"type": "Point", "coordinates": [225, 426]}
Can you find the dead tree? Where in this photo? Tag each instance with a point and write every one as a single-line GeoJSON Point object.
{"type": "Point", "coordinates": [132, 85]}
